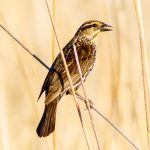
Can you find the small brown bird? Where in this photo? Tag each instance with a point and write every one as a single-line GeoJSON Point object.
{"type": "Point", "coordinates": [56, 83]}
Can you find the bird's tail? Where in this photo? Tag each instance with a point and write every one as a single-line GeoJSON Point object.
{"type": "Point", "coordinates": [47, 123]}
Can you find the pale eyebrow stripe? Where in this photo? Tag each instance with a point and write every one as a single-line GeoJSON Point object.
{"type": "Point", "coordinates": [87, 26]}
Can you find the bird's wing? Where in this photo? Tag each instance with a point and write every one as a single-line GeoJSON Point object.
{"type": "Point", "coordinates": [46, 83]}
{"type": "Point", "coordinates": [58, 83]}
{"type": "Point", "coordinates": [54, 79]}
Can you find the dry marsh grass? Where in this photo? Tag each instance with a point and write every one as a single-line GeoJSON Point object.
{"type": "Point", "coordinates": [115, 85]}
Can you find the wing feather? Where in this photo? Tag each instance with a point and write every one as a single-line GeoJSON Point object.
{"type": "Point", "coordinates": [56, 81]}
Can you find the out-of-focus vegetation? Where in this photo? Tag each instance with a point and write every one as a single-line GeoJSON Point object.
{"type": "Point", "coordinates": [115, 85]}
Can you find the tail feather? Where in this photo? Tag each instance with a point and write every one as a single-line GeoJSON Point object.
{"type": "Point", "coordinates": [47, 123]}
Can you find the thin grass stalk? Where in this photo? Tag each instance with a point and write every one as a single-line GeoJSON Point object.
{"type": "Point", "coordinates": [53, 40]}
{"type": "Point", "coordinates": [24, 47]}
{"type": "Point", "coordinates": [53, 56]}
{"type": "Point", "coordinates": [54, 140]}
{"type": "Point", "coordinates": [85, 95]}
{"type": "Point", "coordinates": [145, 70]}
{"type": "Point", "coordinates": [70, 80]}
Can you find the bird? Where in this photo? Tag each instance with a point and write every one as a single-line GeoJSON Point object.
{"type": "Point", "coordinates": [56, 83]}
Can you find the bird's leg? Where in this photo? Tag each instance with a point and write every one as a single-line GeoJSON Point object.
{"type": "Point", "coordinates": [80, 97]}
{"type": "Point", "coordinates": [83, 99]}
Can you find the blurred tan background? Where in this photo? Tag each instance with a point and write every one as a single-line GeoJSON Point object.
{"type": "Point", "coordinates": [115, 85]}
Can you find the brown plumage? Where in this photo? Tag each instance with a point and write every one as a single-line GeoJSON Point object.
{"type": "Point", "coordinates": [56, 83]}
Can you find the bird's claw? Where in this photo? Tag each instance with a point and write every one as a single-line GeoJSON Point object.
{"type": "Point", "coordinates": [90, 102]}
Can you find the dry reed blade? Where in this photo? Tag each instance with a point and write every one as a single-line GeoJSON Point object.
{"type": "Point", "coordinates": [85, 95]}
{"type": "Point", "coordinates": [53, 56]}
{"type": "Point", "coordinates": [145, 70]}
{"type": "Point", "coordinates": [53, 40]}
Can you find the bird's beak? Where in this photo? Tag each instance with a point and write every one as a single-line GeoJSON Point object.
{"type": "Point", "coordinates": [105, 27]}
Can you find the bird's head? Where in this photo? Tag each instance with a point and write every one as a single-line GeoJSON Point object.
{"type": "Point", "coordinates": [93, 29]}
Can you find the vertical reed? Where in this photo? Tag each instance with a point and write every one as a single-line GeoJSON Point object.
{"type": "Point", "coordinates": [144, 63]}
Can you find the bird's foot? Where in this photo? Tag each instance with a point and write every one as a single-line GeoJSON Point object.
{"type": "Point", "coordinates": [90, 103]}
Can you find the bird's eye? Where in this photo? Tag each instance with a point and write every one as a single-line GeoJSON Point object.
{"type": "Point", "coordinates": [94, 25]}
